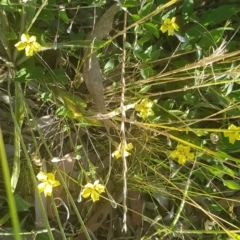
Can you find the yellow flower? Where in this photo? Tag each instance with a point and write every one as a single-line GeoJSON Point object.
{"type": "Point", "coordinates": [29, 44]}
{"type": "Point", "coordinates": [144, 108]}
{"type": "Point", "coordinates": [169, 26]}
{"type": "Point", "coordinates": [118, 153]}
{"type": "Point", "coordinates": [47, 183]}
{"type": "Point", "coordinates": [182, 153]}
{"type": "Point", "coordinates": [94, 190]}
{"type": "Point", "coordinates": [234, 135]}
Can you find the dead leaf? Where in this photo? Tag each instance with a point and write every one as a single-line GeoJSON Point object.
{"type": "Point", "coordinates": [96, 220]}
{"type": "Point", "coordinates": [65, 165]}
{"type": "Point", "coordinates": [136, 205]}
{"type": "Point", "coordinates": [92, 73]}
{"type": "Point", "coordinates": [234, 201]}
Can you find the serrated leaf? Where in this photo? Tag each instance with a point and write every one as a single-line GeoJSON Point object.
{"type": "Point", "coordinates": [231, 184]}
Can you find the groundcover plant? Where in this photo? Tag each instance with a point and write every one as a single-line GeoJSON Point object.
{"type": "Point", "coordinates": [119, 119]}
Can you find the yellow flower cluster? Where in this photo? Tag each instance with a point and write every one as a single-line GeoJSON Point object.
{"type": "Point", "coordinates": [28, 43]}
{"type": "Point", "coordinates": [47, 183]}
{"type": "Point", "coordinates": [144, 108]}
{"type": "Point", "coordinates": [169, 26]}
{"type": "Point", "coordinates": [234, 135]}
{"type": "Point", "coordinates": [118, 153]}
{"type": "Point", "coordinates": [182, 153]}
{"type": "Point", "coordinates": [93, 190]}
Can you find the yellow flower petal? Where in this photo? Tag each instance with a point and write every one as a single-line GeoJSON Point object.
{"type": "Point", "coordinates": [47, 183]}
{"type": "Point", "coordinates": [163, 29]}
{"type": "Point", "coordinates": [95, 196]}
{"type": "Point", "coordinates": [144, 108]}
{"type": "Point", "coordinates": [175, 26]}
{"type": "Point", "coordinates": [182, 153]}
{"type": "Point", "coordinates": [93, 190]}
{"type": "Point", "coordinates": [41, 187]}
{"type": "Point", "coordinates": [20, 46]}
{"type": "Point", "coordinates": [234, 135]}
{"type": "Point", "coordinates": [29, 50]}
{"type": "Point", "coordinates": [32, 39]}
{"type": "Point", "coordinates": [86, 192]}
{"type": "Point", "coordinates": [25, 38]}
{"type": "Point", "coordinates": [100, 188]}
{"type": "Point", "coordinates": [36, 47]}
{"type": "Point", "coordinates": [167, 21]}
{"type": "Point", "coordinates": [51, 180]}
{"type": "Point", "coordinates": [129, 146]}
{"type": "Point", "coordinates": [42, 176]}
{"type": "Point", "coordinates": [232, 139]}
{"type": "Point", "coordinates": [126, 154]}
{"type": "Point", "coordinates": [169, 26]}
{"type": "Point", "coordinates": [116, 154]}
{"type": "Point", "coordinates": [181, 160]}
{"type": "Point", "coordinates": [48, 190]}
{"type": "Point", "coordinates": [29, 44]}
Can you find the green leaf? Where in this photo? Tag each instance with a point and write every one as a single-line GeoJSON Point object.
{"type": "Point", "coordinates": [21, 204]}
{"type": "Point", "coordinates": [216, 15]}
{"type": "Point", "coordinates": [147, 71]}
{"type": "Point", "coordinates": [145, 89]}
{"type": "Point", "coordinates": [169, 104]}
{"type": "Point", "coordinates": [210, 38]}
{"type": "Point", "coordinates": [109, 65]}
{"type": "Point", "coordinates": [5, 3]}
{"type": "Point", "coordinates": [11, 35]}
{"type": "Point", "coordinates": [155, 54]}
{"type": "Point", "coordinates": [35, 73]}
{"type": "Point", "coordinates": [46, 96]}
{"type": "Point", "coordinates": [21, 76]}
{"type": "Point", "coordinates": [190, 98]}
{"type": "Point", "coordinates": [146, 9]}
{"type": "Point", "coordinates": [64, 16]}
{"type": "Point", "coordinates": [187, 9]}
{"type": "Point", "coordinates": [152, 28]}
{"type": "Point", "coordinates": [57, 75]}
{"type": "Point", "coordinates": [131, 3]}
{"type": "Point", "coordinates": [216, 170]}
{"type": "Point", "coordinates": [136, 17]}
{"type": "Point", "coordinates": [4, 218]}
{"type": "Point", "coordinates": [46, 15]}
{"type": "Point", "coordinates": [231, 184]}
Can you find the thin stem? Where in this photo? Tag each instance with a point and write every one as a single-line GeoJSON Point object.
{"type": "Point", "coordinates": [124, 143]}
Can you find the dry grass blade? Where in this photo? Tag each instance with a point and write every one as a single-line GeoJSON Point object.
{"type": "Point", "coordinates": [124, 142]}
